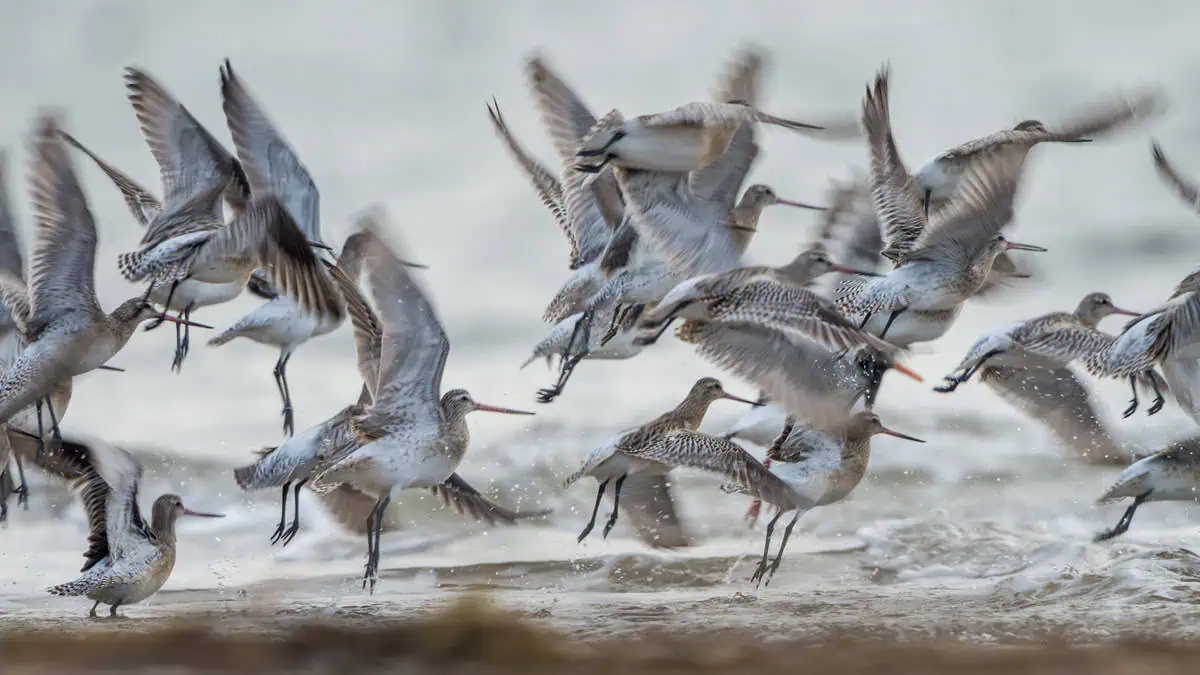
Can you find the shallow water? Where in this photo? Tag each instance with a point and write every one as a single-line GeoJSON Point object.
{"type": "Point", "coordinates": [984, 532]}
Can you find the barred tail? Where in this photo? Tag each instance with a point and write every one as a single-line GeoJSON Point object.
{"type": "Point", "coordinates": [133, 265]}
{"type": "Point", "coordinates": [73, 588]}
{"type": "Point", "coordinates": [574, 477]}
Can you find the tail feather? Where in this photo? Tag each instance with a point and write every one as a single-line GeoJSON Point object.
{"type": "Point", "coordinates": [574, 477]}
{"type": "Point", "coordinates": [133, 266]}
{"type": "Point", "coordinates": [226, 336]}
{"type": "Point", "coordinates": [1131, 483]}
{"type": "Point", "coordinates": [73, 588]}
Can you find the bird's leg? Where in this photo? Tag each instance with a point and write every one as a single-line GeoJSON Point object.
{"type": "Point", "coordinates": [295, 526]}
{"type": "Point", "coordinates": [112, 610]}
{"type": "Point", "coordinates": [756, 578]}
{"type": "Point", "coordinates": [166, 308]}
{"type": "Point", "coordinates": [643, 340]}
{"type": "Point", "coordinates": [370, 543]}
{"type": "Point", "coordinates": [866, 320]}
{"type": "Point", "coordinates": [617, 319]}
{"type": "Point", "coordinates": [183, 338]}
{"type": "Point", "coordinates": [612, 519]}
{"type": "Point", "coordinates": [787, 532]}
{"type": "Point", "coordinates": [1126, 518]}
{"type": "Point", "coordinates": [952, 381]}
{"type": "Point", "coordinates": [282, 516]}
{"type": "Point", "coordinates": [595, 511]}
{"type": "Point", "coordinates": [751, 516]}
{"type": "Point", "coordinates": [93, 612]}
{"type": "Point", "coordinates": [284, 392]}
{"type": "Point", "coordinates": [41, 437]}
{"type": "Point", "coordinates": [55, 433]}
{"type": "Point", "coordinates": [1158, 396]}
{"type": "Point", "coordinates": [886, 326]}
{"type": "Point", "coordinates": [146, 296]}
{"type": "Point", "coordinates": [1133, 404]}
{"type": "Point", "coordinates": [570, 361]}
{"type": "Point", "coordinates": [381, 508]}
{"type": "Point", "coordinates": [22, 490]}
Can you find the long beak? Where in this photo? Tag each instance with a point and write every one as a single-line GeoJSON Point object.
{"type": "Point", "coordinates": [925, 202]}
{"type": "Point", "coordinates": [897, 434]}
{"type": "Point", "coordinates": [416, 266]}
{"type": "Point", "coordinates": [497, 409]}
{"type": "Point", "coordinates": [1014, 246]}
{"type": "Point", "coordinates": [900, 367]}
{"type": "Point", "coordinates": [185, 322]}
{"type": "Point", "coordinates": [588, 168]}
{"type": "Point", "coordinates": [317, 244]}
{"type": "Point", "coordinates": [800, 205]}
{"type": "Point", "coordinates": [112, 368]}
{"type": "Point", "coordinates": [201, 514]}
{"type": "Point", "coordinates": [1118, 310]}
{"type": "Point", "coordinates": [739, 399]}
{"type": "Point", "coordinates": [850, 270]}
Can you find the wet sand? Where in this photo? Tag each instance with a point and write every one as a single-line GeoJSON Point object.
{"type": "Point", "coordinates": [472, 633]}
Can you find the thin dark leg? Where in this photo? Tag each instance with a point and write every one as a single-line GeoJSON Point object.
{"type": "Point", "coordinates": [166, 308]}
{"type": "Point", "coordinates": [1159, 401]}
{"type": "Point", "coordinates": [41, 437]}
{"type": "Point", "coordinates": [373, 563]}
{"type": "Point", "coordinates": [787, 533]}
{"type": "Point", "coordinates": [1126, 519]}
{"type": "Point", "coordinates": [370, 543]}
{"type": "Point", "coordinates": [612, 519]}
{"type": "Point", "coordinates": [55, 432]}
{"type": "Point", "coordinates": [284, 392]}
{"type": "Point", "coordinates": [953, 381]}
{"type": "Point", "coordinates": [583, 330]}
{"type": "Point", "coordinates": [112, 611]}
{"type": "Point", "coordinates": [1133, 404]}
{"type": "Point", "coordinates": [617, 319]}
{"type": "Point", "coordinates": [595, 511]}
{"type": "Point", "coordinates": [21, 491]}
{"type": "Point", "coordinates": [888, 325]}
{"type": "Point", "coordinates": [762, 564]}
{"type": "Point", "coordinates": [866, 320]}
{"type": "Point", "coordinates": [295, 526]}
{"type": "Point", "coordinates": [93, 612]}
{"type": "Point", "coordinates": [644, 340]}
{"type": "Point", "coordinates": [282, 516]}
{"type": "Point", "coordinates": [146, 296]}
{"type": "Point", "coordinates": [183, 339]}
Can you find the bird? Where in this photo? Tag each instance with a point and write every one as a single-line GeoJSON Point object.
{"type": "Point", "coordinates": [275, 172]}
{"type": "Point", "coordinates": [1167, 335]}
{"type": "Point", "coordinates": [939, 177]}
{"type": "Point", "coordinates": [820, 465]}
{"type": "Point", "coordinates": [127, 559]}
{"type": "Point", "coordinates": [1047, 341]}
{"type": "Point", "coordinates": [64, 331]}
{"type": "Point", "coordinates": [942, 262]}
{"type": "Point", "coordinates": [187, 295]}
{"type": "Point", "coordinates": [291, 465]}
{"type": "Point", "coordinates": [619, 457]}
{"type": "Point", "coordinates": [411, 435]}
{"type": "Point", "coordinates": [1172, 474]}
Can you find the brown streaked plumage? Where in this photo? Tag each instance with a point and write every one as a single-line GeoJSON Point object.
{"type": "Point", "coordinates": [814, 466]}
{"type": "Point", "coordinates": [57, 314]}
{"type": "Point", "coordinates": [619, 457]}
{"type": "Point", "coordinates": [1172, 474]}
{"type": "Point", "coordinates": [127, 559]}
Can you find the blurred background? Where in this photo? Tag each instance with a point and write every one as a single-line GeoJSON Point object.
{"type": "Point", "coordinates": [384, 102]}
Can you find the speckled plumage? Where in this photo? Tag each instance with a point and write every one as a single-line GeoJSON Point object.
{"type": "Point", "coordinates": [1172, 474]}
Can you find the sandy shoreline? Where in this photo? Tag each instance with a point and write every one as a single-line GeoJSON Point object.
{"type": "Point", "coordinates": [471, 632]}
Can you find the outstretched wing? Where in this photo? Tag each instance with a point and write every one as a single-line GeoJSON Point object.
{"type": "Point", "coordinates": [466, 500]}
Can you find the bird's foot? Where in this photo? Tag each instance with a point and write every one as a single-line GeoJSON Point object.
{"type": "Point", "coordinates": [181, 352]}
{"type": "Point", "coordinates": [1131, 409]}
{"type": "Point", "coordinates": [279, 532]}
{"type": "Point", "coordinates": [22, 493]}
{"type": "Point", "coordinates": [288, 420]}
{"type": "Point", "coordinates": [950, 385]}
{"type": "Point", "coordinates": [612, 333]}
{"type": "Point", "coordinates": [290, 533]}
{"type": "Point", "coordinates": [759, 571]}
{"type": "Point", "coordinates": [548, 394]}
{"type": "Point", "coordinates": [1156, 406]}
{"type": "Point", "coordinates": [771, 570]}
{"type": "Point", "coordinates": [583, 535]}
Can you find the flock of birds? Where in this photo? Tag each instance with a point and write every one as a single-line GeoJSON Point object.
{"type": "Point", "coordinates": [651, 209]}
